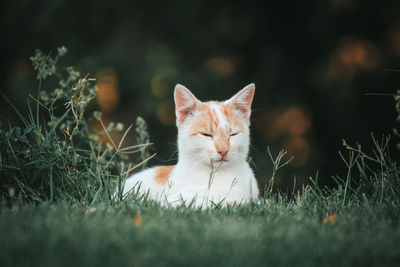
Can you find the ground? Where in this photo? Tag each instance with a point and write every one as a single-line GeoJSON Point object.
{"type": "Point", "coordinates": [143, 234]}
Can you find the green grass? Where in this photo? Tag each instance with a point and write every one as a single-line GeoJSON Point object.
{"type": "Point", "coordinates": [273, 234]}
{"type": "Point", "coordinates": [56, 181]}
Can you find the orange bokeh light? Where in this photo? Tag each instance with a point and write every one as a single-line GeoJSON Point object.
{"type": "Point", "coordinates": [299, 147]}
{"type": "Point", "coordinates": [291, 125]}
{"type": "Point", "coordinates": [351, 56]}
{"type": "Point", "coordinates": [107, 91]}
{"type": "Point", "coordinates": [222, 65]}
{"type": "Point", "coordinates": [108, 99]}
{"type": "Point", "coordinates": [295, 121]}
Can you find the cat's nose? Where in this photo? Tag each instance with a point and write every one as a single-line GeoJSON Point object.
{"type": "Point", "coordinates": [223, 152]}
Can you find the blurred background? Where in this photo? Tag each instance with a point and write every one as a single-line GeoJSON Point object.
{"type": "Point", "coordinates": [313, 64]}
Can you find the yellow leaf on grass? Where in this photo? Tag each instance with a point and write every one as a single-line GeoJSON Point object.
{"type": "Point", "coordinates": [329, 218]}
{"type": "Point", "coordinates": [137, 219]}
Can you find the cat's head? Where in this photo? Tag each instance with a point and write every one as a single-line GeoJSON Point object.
{"type": "Point", "coordinates": [213, 131]}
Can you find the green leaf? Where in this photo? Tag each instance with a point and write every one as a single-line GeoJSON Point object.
{"type": "Point", "coordinates": [23, 139]}
{"type": "Point", "coordinates": [29, 129]}
{"type": "Point", "coordinates": [18, 131]}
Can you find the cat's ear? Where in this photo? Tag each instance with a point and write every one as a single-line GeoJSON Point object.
{"type": "Point", "coordinates": [242, 100]}
{"type": "Point", "coordinates": [185, 103]}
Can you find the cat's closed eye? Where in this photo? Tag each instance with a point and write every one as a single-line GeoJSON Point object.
{"type": "Point", "coordinates": [233, 134]}
{"type": "Point", "coordinates": [206, 134]}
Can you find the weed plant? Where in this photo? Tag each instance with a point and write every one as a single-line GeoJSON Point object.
{"type": "Point", "coordinates": [53, 153]}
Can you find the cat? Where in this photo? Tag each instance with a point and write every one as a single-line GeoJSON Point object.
{"type": "Point", "coordinates": [213, 143]}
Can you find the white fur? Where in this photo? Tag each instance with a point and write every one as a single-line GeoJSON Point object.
{"type": "Point", "coordinates": [199, 178]}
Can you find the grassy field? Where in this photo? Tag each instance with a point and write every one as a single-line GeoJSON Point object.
{"type": "Point", "coordinates": [277, 233]}
{"type": "Point", "coordinates": [57, 176]}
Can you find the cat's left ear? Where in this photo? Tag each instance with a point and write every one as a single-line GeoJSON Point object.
{"type": "Point", "coordinates": [243, 99]}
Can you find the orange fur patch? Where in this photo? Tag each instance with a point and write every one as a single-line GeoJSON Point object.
{"type": "Point", "coordinates": [162, 174]}
{"type": "Point", "coordinates": [208, 121]}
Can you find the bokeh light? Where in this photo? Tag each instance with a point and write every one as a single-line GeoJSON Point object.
{"type": "Point", "coordinates": [221, 65]}
{"type": "Point", "coordinates": [290, 126]}
{"type": "Point", "coordinates": [351, 56]}
{"type": "Point", "coordinates": [107, 91]}
{"type": "Point", "coordinates": [108, 99]}
{"type": "Point", "coordinates": [161, 81]}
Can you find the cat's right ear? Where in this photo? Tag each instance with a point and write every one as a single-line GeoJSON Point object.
{"type": "Point", "coordinates": [185, 103]}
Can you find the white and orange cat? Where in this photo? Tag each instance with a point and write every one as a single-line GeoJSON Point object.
{"type": "Point", "coordinates": [213, 143]}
